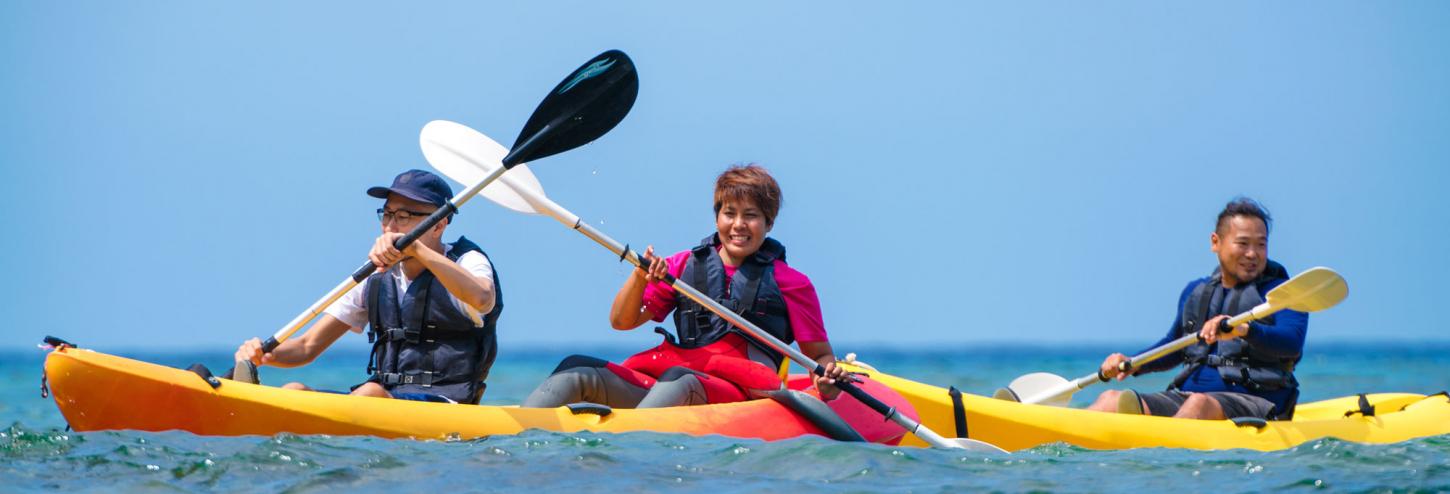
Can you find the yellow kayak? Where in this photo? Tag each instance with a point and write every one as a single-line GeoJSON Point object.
{"type": "Point", "coordinates": [96, 391]}
{"type": "Point", "coordinates": [1014, 426]}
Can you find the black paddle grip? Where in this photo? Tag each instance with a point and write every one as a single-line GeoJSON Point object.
{"type": "Point", "coordinates": [859, 394]}
{"type": "Point", "coordinates": [644, 265]}
{"type": "Point", "coordinates": [1224, 327]}
{"type": "Point", "coordinates": [270, 344]}
{"type": "Point", "coordinates": [368, 268]}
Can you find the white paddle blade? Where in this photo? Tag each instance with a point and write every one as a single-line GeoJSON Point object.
{"type": "Point", "coordinates": [467, 156]}
{"type": "Point", "coordinates": [1006, 394]}
{"type": "Point", "coordinates": [1313, 290]}
{"type": "Point", "coordinates": [975, 446]}
{"type": "Point", "coordinates": [1036, 383]}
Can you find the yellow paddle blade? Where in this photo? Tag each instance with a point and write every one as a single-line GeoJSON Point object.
{"type": "Point", "coordinates": [1313, 290]}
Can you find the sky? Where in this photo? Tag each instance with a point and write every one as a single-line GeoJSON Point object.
{"type": "Point", "coordinates": [189, 175]}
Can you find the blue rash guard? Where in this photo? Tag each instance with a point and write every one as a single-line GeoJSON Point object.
{"type": "Point", "coordinates": [1284, 339]}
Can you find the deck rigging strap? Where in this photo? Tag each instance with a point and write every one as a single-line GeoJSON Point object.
{"type": "Point", "coordinates": [959, 412]}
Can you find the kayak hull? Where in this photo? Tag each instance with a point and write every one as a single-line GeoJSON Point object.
{"type": "Point", "coordinates": [96, 391]}
{"type": "Point", "coordinates": [1015, 426]}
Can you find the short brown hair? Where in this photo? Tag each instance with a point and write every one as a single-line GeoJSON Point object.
{"type": "Point", "coordinates": [749, 182]}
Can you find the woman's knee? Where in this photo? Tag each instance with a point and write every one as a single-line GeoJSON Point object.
{"type": "Point", "coordinates": [684, 390]}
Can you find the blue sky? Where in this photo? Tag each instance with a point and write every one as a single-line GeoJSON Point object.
{"type": "Point", "coordinates": [184, 175]}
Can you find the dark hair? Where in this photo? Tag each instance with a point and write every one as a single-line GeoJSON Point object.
{"type": "Point", "coordinates": [750, 182]}
{"type": "Point", "coordinates": [1244, 206]}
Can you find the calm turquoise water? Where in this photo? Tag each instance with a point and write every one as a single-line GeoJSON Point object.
{"type": "Point", "coordinates": [38, 454]}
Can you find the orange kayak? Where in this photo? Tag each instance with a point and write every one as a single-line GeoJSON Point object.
{"type": "Point", "coordinates": [96, 391]}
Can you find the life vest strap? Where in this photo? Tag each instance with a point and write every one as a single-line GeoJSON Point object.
{"type": "Point", "coordinates": [424, 379]}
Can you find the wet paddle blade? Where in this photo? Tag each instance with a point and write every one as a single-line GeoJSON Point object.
{"type": "Point", "coordinates": [585, 105]}
{"type": "Point", "coordinates": [467, 156]}
{"type": "Point", "coordinates": [1314, 290]}
{"type": "Point", "coordinates": [976, 446]}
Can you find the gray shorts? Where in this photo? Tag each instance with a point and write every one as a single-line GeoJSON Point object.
{"type": "Point", "coordinates": [1235, 405]}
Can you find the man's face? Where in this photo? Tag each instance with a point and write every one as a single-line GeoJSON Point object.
{"type": "Point", "coordinates": [1242, 246]}
{"type": "Point", "coordinates": [398, 206]}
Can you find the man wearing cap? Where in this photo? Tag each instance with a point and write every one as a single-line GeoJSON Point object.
{"type": "Point", "coordinates": [430, 309]}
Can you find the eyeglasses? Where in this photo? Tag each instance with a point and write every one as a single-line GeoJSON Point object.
{"type": "Point", "coordinates": [401, 215]}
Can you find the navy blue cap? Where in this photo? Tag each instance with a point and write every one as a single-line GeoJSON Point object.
{"type": "Point", "coordinates": [417, 185]}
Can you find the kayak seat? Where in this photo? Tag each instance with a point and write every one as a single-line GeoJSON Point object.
{"type": "Point", "coordinates": [1254, 422]}
{"type": "Point", "coordinates": [205, 374]}
{"type": "Point", "coordinates": [585, 407]}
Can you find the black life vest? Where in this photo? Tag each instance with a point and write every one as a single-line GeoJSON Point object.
{"type": "Point", "coordinates": [752, 292]}
{"type": "Point", "coordinates": [1236, 360]}
{"type": "Point", "coordinates": [425, 344]}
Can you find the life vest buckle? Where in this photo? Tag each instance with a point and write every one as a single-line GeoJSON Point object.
{"type": "Point", "coordinates": [424, 379]}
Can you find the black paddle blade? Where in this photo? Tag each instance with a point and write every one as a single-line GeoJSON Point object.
{"type": "Point", "coordinates": [587, 104]}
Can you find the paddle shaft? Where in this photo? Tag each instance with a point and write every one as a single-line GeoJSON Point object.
{"type": "Point", "coordinates": [369, 268]}
{"type": "Point", "coordinates": [513, 158]}
{"type": "Point", "coordinates": [1225, 326]}
{"type": "Point", "coordinates": [1073, 386]}
{"type": "Point", "coordinates": [572, 221]}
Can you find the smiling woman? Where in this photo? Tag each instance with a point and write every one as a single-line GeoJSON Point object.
{"type": "Point", "coordinates": [707, 360]}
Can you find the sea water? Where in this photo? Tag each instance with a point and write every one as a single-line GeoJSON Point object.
{"type": "Point", "coordinates": [38, 453]}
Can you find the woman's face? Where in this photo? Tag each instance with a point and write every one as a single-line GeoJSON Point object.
{"type": "Point", "coordinates": [742, 228]}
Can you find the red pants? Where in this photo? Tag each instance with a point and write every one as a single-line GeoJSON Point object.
{"type": "Point", "coordinates": [723, 367]}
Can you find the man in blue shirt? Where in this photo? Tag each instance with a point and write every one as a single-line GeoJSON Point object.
{"type": "Point", "coordinates": [1248, 372]}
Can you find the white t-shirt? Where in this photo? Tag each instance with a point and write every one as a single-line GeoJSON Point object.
{"type": "Point", "coordinates": [352, 308]}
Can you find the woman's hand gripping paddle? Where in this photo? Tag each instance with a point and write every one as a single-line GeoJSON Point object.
{"type": "Point", "coordinates": [1311, 291]}
{"type": "Point", "coordinates": [462, 153]}
{"type": "Point", "coordinates": [581, 108]}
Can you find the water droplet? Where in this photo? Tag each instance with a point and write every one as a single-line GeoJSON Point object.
{"type": "Point", "coordinates": [152, 468]}
{"type": "Point", "coordinates": [595, 172]}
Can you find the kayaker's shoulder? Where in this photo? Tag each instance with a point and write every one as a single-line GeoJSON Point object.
{"type": "Point", "coordinates": [788, 277]}
{"type": "Point", "coordinates": [1195, 282]}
